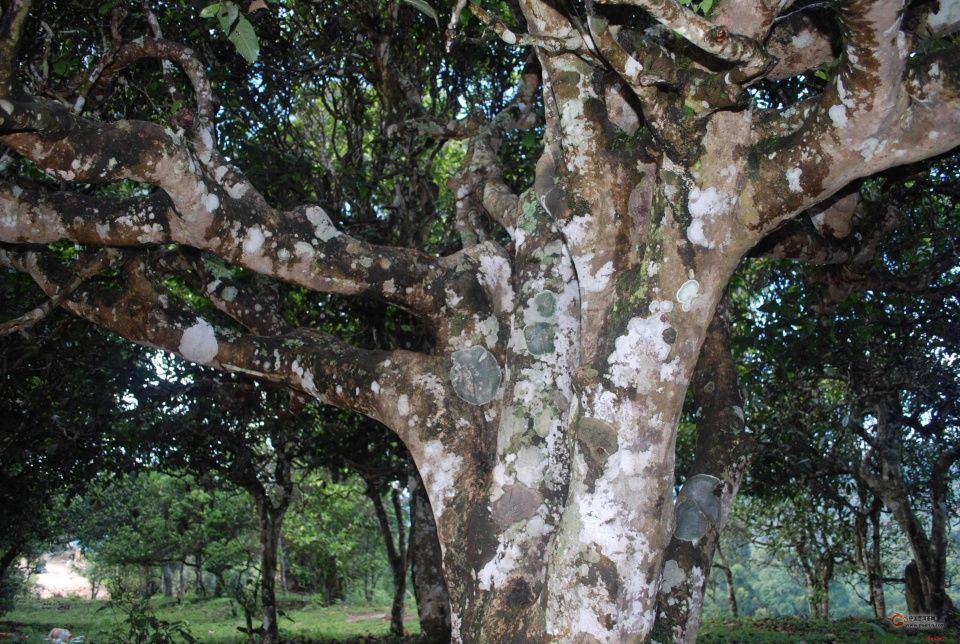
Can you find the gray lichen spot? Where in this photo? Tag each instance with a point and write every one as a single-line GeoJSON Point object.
{"type": "Point", "coordinates": [546, 304]}
{"type": "Point", "coordinates": [704, 490]}
{"type": "Point", "coordinates": [475, 375]}
{"type": "Point", "coordinates": [698, 506]}
{"type": "Point", "coordinates": [691, 522]}
{"type": "Point", "coordinates": [518, 502]}
{"type": "Point", "coordinates": [540, 338]}
{"type": "Point", "coordinates": [672, 576]}
{"type": "Point", "coordinates": [598, 440]}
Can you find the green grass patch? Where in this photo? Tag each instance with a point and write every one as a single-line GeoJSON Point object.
{"type": "Point", "coordinates": [792, 630]}
{"type": "Point", "coordinates": [211, 621]}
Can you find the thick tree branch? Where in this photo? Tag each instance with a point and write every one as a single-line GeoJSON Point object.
{"type": "Point", "coordinates": [11, 29]}
{"type": "Point", "coordinates": [878, 112]}
{"type": "Point", "coordinates": [85, 269]}
{"type": "Point", "coordinates": [212, 208]}
{"type": "Point", "coordinates": [717, 40]}
{"type": "Point", "coordinates": [307, 361]}
{"type": "Point", "coordinates": [480, 179]}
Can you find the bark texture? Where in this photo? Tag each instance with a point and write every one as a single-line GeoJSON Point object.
{"type": "Point", "coordinates": [543, 419]}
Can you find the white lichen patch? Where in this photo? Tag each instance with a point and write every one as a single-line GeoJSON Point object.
{"type": "Point", "coordinates": [594, 281]}
{"type": "Point", "coordinates": [236, 190]}
{"type": "Point", "coordinates": [705, 206]}
{"type": "Point", "coordinates": [672, 577]}
{"type": "Point", "coordinates": [687, 293]}
{"type": "Point", "coordinates": [793, 179]}
{"type": "Point", "coordinates": [211, 202]}
{"type": "Point", "coordinates": [638, 354]}
{"type": "Point", "coordinates": [869, 148]}
{"type": "Point", "coordinates": [323, 228]}
{"type": "Point", "coordinates": [199, 343]}
{"type": "Point", "coordinates": [253, 241]}
{"type": "Point", "coordinates": [495, 275]}
{"type": "Point", "coordinates": [441, 474]}
{"type": "Point", "coordinates": [403, 405]}
{"type": "Point", "coordinates": [838, 114]}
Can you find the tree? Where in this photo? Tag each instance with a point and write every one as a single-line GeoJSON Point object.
{"type": "Point", "coordinates": [565, 328]}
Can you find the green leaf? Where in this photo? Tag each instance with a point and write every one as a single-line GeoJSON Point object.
{"type": "Point", "coordinates": [422, 6]}
{"type": "Point", "coordinates": [210, 10]}
{"type": "Point", "coordinates": [821, 74]}
{"type": "Point", "coordinates": [244, 38]}
{"type": "Point", "coordinates": [706, 6]}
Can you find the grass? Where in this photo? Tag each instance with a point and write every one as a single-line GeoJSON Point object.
{"type": "Point", "coordinates": [794, 630]}
{"type": "Point", "coordinates": [215, 621]}
{"type": "Point", "coordinates": [211, 621]}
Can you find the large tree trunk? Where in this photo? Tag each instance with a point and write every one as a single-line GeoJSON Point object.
{"type": "Point", "coordinates": [722, 453]}
{"type": "Point", "coordinates": [544, 419]}
{"type": "Point", "coordinates": [426, 565]}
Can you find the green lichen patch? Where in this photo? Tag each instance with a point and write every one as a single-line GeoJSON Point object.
{"type": "Point", "coordinates": [540, 337]}
{"type": "Point", "coordinates": [546, 304]}
{"type": "Point", "coordinates": [475, 375]}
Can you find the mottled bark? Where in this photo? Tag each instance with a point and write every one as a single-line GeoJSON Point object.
{"type": "Point", "coordinates": [543, 421]}
{"type": "Point", "coordinates": [721, 456]}
{"type": "Point", "coordinates": [426, 565]}
{"type": "Point", "coordinates": [882, 471]}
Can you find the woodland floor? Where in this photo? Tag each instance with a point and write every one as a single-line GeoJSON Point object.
{"type": "Point", "coordinates": [210, 621]}
{"type": "Point", "coordinates": [214, 621]}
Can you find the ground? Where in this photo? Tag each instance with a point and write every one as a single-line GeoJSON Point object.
{"type": "Point", "coordinates": [62, 576]}
{"type": "Point", "coordinates": [213, 621]}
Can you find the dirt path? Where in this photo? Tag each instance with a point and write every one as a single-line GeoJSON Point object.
{"type": "Point", "coordinates": [62, 577]}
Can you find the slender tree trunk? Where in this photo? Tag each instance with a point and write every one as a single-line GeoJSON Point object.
{"type": "Point", "coordinates": [181, 584]}
{"type": "Point", "coordinates": [722, 452]}
{"type": "Point", "coordinates": [9, 556]}
{"type": "Point", "coordinates": [875, 563]}
{"type": "Point", "coordinates": [166, 572]}
{"type": "Point", "coordinates": [731, 591]}
{"type": "Point", "coordinates": [926, 573]}
{"type": "Point", "coordinates": [866, 532]}
{"type": "Point", "coordinates": [939, 600]}
{"type": "Point", "coordinates": [270, 519]}
{"type": "Point", "coordinates": [201, 590]}
{"type": "Point", "coordinates": [913, 590]}
{"type": "Point", "coordinates": [282, 563]}
{"type": "Point", "coordinates": [429, 585]}
{"type": "Point", "coordinates": [396, 554]}
{"type": "Point", "coordinates": [219, 584]}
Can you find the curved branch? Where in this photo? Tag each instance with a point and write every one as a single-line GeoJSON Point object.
{"type": "Point", "coordinates": [878, 112]}
{"type": "Point", "coordinates": [209, 205]}
{"type": "Point", "coordinates": [304, 360]}
{"type": "Point", "coordinates": [714, 39]}
{"type": "Point", "coordinates": [86, 269]}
